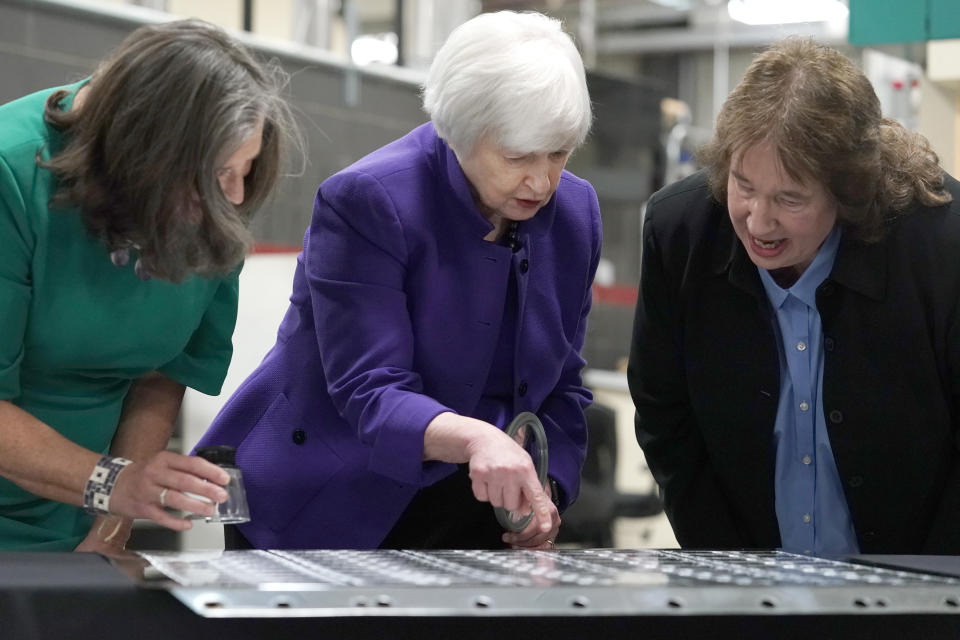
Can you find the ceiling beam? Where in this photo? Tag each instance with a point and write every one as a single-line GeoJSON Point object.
{"type": "Point", "coordinates": [706, 37]}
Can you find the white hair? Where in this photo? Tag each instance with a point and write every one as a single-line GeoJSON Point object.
{"type": "Point", "coordinates": [515, 77]}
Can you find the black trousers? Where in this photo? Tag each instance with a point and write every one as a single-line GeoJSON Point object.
{"type": "Point", "coordinates": [444, 515]}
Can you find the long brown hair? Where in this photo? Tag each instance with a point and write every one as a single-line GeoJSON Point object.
{"type": "Point", "coordinates": [823, 117]}
{"type": "Point", "coordinates": [158, 117]}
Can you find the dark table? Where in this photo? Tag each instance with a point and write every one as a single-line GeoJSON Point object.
{"type": "Point", "coordinates": [64, 595]}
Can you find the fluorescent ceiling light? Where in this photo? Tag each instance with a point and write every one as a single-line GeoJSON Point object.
{"type": "Point", "coordinates": [380, 48]}
{"type": "Point", "coordinates": [786, 11]}
{"type": "Point", "coordinates": [679, 5]}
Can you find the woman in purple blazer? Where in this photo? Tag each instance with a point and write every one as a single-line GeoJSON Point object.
{"type": "Point", "coordinates": [443, 288]}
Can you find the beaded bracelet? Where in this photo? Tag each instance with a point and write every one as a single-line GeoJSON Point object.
{"type": "Point", "coordinates": [96, 495]}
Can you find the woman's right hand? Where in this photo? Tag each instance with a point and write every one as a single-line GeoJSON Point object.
{"type": "Point", "coordinates": [504, 475]}
{"type": "Point", "coordinates": [143, 489]}
{"type": "Point", "coordinates": [501, 470]}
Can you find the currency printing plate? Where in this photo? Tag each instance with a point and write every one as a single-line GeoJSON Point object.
{"type": "Point", "coordinates": [328, 583]}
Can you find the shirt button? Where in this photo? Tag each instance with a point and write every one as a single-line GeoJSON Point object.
{"type": "Point", "coordinates": [807, 460]}
{"type": "Point", "coordinates": [804, 406]}
{"type": "Point", "coordinates": [801, 346]}
{"type": "Point", "coordinates": [806, 518]}
{"type": "Point", "coordinates": [522, 389]}
{"type": "Point", "coordinates": [299, 436]}
{"type": "Point", "coordinates": [524, 265]}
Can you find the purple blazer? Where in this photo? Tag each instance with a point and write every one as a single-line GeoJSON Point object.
{"type": "Point", "coordinates": [394, 318]}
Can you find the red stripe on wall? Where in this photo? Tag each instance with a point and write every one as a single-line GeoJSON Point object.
{"type": "Point", "coordinates": [274, 248]}
{"type": "Point", "coordinates": [617, 295]}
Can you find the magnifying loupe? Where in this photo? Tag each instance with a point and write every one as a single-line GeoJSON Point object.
{"type": "Point", "coordinates": [234, 510]}
{"type": "Point", "coordinates": [527, 430]}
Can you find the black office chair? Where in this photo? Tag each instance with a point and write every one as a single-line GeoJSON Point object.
{"type": "Point", "coordinates": [589, 521]}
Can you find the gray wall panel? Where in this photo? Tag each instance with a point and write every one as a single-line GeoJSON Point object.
{"type": "Point", "coordinates": [44, 43]}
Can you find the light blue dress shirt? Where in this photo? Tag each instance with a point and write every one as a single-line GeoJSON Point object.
{"type": "Point", "coordinates": [811, 507]}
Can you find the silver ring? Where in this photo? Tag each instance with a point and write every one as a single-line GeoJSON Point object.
{"type": "Point", "coordinates": [163, 496]}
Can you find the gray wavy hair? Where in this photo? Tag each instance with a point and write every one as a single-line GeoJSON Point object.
{"type": "Point", "coordinates": [823, 117]}
{"type": "Point", "coordinates": [516, 77]}
{"type": "Point", "coordinates": [160, 115]}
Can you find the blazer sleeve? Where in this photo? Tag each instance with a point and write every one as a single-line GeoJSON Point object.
{"type": "Point", "coordinates": [355, 263]}
{"type": "Point", "coordinates": [944, 535]}
{"type": "Point", "coordinates": [562, 411]}
{"type": "Point", "coordinates": [666, 427]}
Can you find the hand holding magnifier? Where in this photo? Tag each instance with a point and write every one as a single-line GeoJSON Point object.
{"type": "Point", "coordinates": [528, 432]}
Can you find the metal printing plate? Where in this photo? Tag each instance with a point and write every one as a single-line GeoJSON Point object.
{"type": "Point", "coordinates": [537, 583]}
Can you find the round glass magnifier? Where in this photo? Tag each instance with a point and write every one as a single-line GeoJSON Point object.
{"type": "Point", "coordinates": [527, 430]}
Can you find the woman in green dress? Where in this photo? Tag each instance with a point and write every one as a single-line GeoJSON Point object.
{"type": "Point", "coordinates": [124, 206]}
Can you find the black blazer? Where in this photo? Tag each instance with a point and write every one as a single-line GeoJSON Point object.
{"type": "Point", "coordinates": [704, 375]}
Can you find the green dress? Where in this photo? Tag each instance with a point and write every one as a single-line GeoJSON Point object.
{"type": "Point", "coordinates": [75, 330]}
